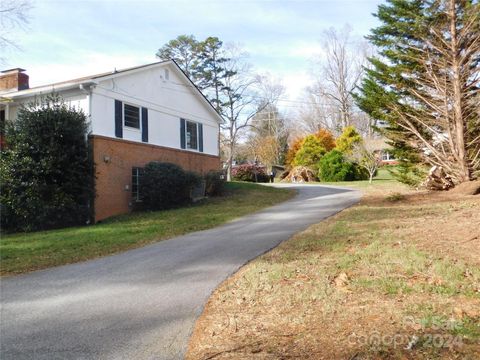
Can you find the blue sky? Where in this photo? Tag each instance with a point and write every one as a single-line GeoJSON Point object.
{"type": "Point", "coordinates": [67, 39]}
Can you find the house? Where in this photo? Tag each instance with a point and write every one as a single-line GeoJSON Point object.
{"type": "Point", "coordinates": [383, 150]}
{"type": "Point", "coordinates": [137, 115]}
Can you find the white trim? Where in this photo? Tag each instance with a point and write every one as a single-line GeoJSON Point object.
{"type": "Point", "coordinates": [94, 80]}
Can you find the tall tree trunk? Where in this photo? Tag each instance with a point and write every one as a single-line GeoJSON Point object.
{"type": "Point", "coordinates": [464, 171]}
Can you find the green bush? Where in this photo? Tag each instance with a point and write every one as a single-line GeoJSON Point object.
{"type": "Point", "coordinates": [166, 185]}
{"type": "Point", "coordinates": [335, 167]}
{"type": "Point", "coordinates": [214, 183]}
{"type": "Point", "coordinates": [45, 169]}
{"type": "Point", "coordinates": [251, 173]}
{"type": "Point", "coordinates": [310, 152]}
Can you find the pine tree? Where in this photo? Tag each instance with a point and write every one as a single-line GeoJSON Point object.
{"type": "Point", "coordinates": [211, 71]}
{"type": "Point", "coordinates": [184, 51]}
{"type": "Point", "coordinates": [425, 83]}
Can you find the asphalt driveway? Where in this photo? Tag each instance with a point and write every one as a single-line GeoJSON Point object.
{"type": "Point", "coordinates": [142, 304]}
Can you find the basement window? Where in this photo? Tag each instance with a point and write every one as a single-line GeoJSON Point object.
{"type": "Point", "coordinates": [131, 116]}
{"type": "Point", "coordinates": [137, 174]}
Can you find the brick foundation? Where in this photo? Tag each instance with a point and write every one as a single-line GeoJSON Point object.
{"type": "Point", "coordinates": [114, 159]}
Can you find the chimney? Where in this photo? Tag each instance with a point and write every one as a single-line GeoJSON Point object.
{"type": "Point", "coordinates": [13, 80]}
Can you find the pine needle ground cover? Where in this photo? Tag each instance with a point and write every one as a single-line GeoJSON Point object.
{"type": "Point", "coordinates": [395, 277]}
{"type": "Point", "coordinates": [23, 252]}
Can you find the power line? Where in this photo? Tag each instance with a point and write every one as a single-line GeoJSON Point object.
{"type": "Point", "coordinates": [262, 97]}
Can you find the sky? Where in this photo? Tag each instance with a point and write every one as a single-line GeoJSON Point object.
{"type": "Point", "coordinates": [71, 38]}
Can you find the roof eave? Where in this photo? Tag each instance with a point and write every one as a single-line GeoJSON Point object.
{"type": "Point", "coordinates": [45, 90]}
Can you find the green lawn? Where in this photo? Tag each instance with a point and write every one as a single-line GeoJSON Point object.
{"type": "Point", "coordinates": [384, 179]}
{"type": "Point", "coordinates": [25, 252]}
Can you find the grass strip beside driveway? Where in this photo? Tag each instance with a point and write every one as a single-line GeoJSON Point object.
{"type": "Point", "coordinates": [394, 277]}
{"type": "Point", "coordinates": [25, 252]}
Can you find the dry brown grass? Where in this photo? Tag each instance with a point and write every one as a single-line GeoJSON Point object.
{"type": "Point", "coordinates": [360, 285]}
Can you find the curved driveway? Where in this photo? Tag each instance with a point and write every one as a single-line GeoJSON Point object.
{"type": "Point", "coordinates": [142, 304]}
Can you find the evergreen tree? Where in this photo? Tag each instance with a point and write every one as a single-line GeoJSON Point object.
{"type": "Point", "coordinates": [184, 50]}
{"type": "Point", "coordinates": [211, 72]}
{"type": "Point", "coordinates": [425, 83]}
{"type": "Point", "coordinates": [347, 140]}
{"type": "Point", "coordinates": [310, 153]}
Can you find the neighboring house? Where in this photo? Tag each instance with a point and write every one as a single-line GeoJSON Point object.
{"type": "Point", "coordinates": [383, 150]}
{"type": "Point", "coordinates": [137, 115]}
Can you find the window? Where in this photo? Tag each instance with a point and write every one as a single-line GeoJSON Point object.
{"type": "Point", "coordinates": [131, 116]}
{"type": "Point", "coordinates": [386, 156]}
{"type": "Point", "coordinates": [137, 174]}
{"type": "Point", "coordinates": [192, 135]}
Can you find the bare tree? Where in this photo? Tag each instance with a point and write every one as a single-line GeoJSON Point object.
{"type": "Point", "coordinates": [340, 72]}
{"type": "Point", "coordinates": [239, 101]}
{"type": "Point", "coordinates": [13, 16]}
{"type": "Point", "coordinates": [366, 157]}
{"type": "Point", "coordinates": [317, 112]}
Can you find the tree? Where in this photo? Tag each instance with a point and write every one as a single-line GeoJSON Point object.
{"type": "Point", "coordinates": [241, 102]}
{"type": "Point", "coordinates": [369, 159]}
{"type": "Point", "coordinates": [426, 82]}
{"type": "Point", "coordinates": [184, 50]}
{"type": "Point", "coordinates": [269, 134]}
{"type": "Point", "coordinates": [210, 70]}
{"type": "Point", "coordinates": [347, 141]}
{"type": "Point", "coordinates": [326, 139]}
{"type": "Point", "coordinates": [318, 112]}
{"type": "Point", "coordinates": [13, 15]}
{"type": "Point", "coordinates": [292, 151]}
{"type": "Point", "coordinates": [46, 173]}
{"type": "Point", "coordinates": [335, 167]}
{"type": "Point", "coordinates": [310, 153]}
{"type": "Point", "coordinates": [340, 74]}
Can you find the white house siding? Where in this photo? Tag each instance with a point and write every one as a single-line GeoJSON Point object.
{"type": "Point", "coordinates": [75, 99]}
{"type": "Point", "coordinates": [167, 101]}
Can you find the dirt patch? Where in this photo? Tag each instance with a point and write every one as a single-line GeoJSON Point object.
{"type": "Point", "coordinates": [396, 277]}
{"type": "Point", "coordinates": [467, 188]}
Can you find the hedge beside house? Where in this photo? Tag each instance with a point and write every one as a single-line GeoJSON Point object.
{"type": "Point", "coordinates": [45, 169]}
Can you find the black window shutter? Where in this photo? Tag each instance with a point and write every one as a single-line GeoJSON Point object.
{"type": "Point", "coordinates": [182, 134]}
{"type": "Point", "coordinates": [118, 119]}
{"type": "Point", "coordinates": [144, 124]}
{"type": "Point", "coordinates": [200, 137]}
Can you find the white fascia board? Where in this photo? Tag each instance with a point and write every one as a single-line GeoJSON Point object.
{"type": "Point", "coordinates": [48, 89]}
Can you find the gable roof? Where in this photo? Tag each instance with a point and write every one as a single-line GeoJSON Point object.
{"type": "Point", "coordinates": [93, 79]}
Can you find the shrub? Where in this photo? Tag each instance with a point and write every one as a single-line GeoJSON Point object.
{"type": "Point", "coordinates": [310, 153]}
{"type": "Point", "coordinates": [348, 139]}
{"type": "Point", "coordinates": [250, 172]}
{"type": "Point", "coordinates": [166, 185]}
{"type": "Point", "coordinates": [326, 139]}
{"type": "Point", "coordinates": [292, 151]}
{"type": "Point", "coordinates": [334, 167]}
{"type": "Point", "coordinates": [45, 169]}
{"type": "Point", "coordinates": [214, 183]}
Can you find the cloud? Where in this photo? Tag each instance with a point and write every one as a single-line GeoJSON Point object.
{"type": "Point", "coordinates": [85, 64]}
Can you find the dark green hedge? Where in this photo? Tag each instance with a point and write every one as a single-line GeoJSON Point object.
{"type": "Point", "coordinates": [46, 174]}
{"type": "Point", "coordinates": [166, 185]}
{"type": "Point", "coordinates": [335, 167]}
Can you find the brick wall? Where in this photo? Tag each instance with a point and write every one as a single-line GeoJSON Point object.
{"type": "Point", "coordinates": [114, 159]}
{"type": "Point", "coordinates": [13, 80]}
